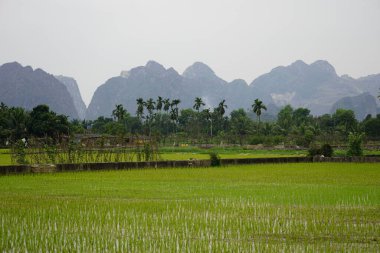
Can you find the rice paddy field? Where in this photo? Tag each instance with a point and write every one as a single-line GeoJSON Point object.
{"type": "Point", "coordinates": [257, 208]}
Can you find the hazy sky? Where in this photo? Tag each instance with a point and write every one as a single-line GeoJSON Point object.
{"type": "Point", "coordinates": [93, 40]}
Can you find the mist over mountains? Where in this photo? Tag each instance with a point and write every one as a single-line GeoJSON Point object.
{"type": "Point", "coordinates": [315, 86]}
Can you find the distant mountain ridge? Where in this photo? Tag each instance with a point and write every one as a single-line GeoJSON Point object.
{"type": "Point", "coordinates": [315, 86]}
{"type": "Point", "coordinates": [24, 87]}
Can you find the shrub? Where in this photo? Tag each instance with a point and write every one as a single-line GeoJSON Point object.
{"type": "Point", "coordinates": [19, 152]}
{"type": "Point", "coordinates": [327, 150]}
{"type": "Point", "coordinates": [214, 159]}
{"type": "Point", "coordinates": [313, 151]}
{"type": "Point", "coordinates": [355, 144]}
{"type": "Point", "coordinates": [273, 140]}
{"type": "Point", "coordinates": [254, 140]}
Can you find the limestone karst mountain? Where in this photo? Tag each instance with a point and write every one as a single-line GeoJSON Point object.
{"type": "Point", "coordinates": [72, 87]}
{"type": "Point", "coordinates": [24, 87]}
{"type": "Point", "coordinates": [362, 105]}
{"type": "Point", "coordinates": [315, 86]}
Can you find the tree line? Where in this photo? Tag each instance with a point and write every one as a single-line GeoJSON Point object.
{"type": "Point", "coordinates": [162, 119]}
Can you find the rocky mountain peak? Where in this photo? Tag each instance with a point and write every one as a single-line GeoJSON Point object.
{"type": "Point", "coordinates": [154, 67]}
{"type": "Point", "coordinates": [199, 70]}
{"type": "Point", "coordinates": [347, 77]}
{"type": "Point", "coordinates": [239, 82]}
{"type": "Point", "coordinates": [324, 66]}
{"type": "Point", "coordinates": [13, 67]}
{"type": "Point", "coordinates": [73, 89]}
{"type": "Point", "coordinates": [150, 68]}
{"type": "Point", "coordinates": [299, 64]}
{"type": "Point", "coordinates": [22, 87]}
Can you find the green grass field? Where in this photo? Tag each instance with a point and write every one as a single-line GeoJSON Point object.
{"type": "Point", "coordinates": [263, 208]}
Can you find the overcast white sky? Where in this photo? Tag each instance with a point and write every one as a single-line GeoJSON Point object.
{"type": "Point", "coordinates": [93, 40]}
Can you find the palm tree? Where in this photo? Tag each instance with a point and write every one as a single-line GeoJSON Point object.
{"type": "Point", "coordinates": [149, 104]}
{"type": "Point", "coordinates": [257, 106]}
{"type": "Point", "coordinates": [198, 103]}
{"type": "Point", "coordinates": [166, 108]}
{"type": "Point", "coordinates": [174, 112]}
{"type": "Point", "coordinates": [167, 104]}
{"type": "Point", "coordinates": [208, 115]}
{"type": "Point", "coordinates": [140, 108]}
{"type": "Point", "coordinates": [221, 109]}
{"type": "Point", "coordinates": [119, 112]}
{"type": "Point", "coordinates": [159, 103]}
{"type": "Point", "coordinates": [175, 103]}
{"type": "Point", "coordinates": [3, 106]}
{"type": "Point", "coordinates": [174, 117]}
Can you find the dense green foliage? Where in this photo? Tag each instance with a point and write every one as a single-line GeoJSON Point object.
{"type": "Point", "coordinates": [17, 124]}
{"type": "Point", "coordinates": [163, 120]}
{"type": "Point", "coordinates": [214, 159]}
{"type": "Point", "coordinates": [355, 144]}
{"type": "Point", "coordinates": [261, 208]}
{"type": "Point", "coordinates": [198, 125]}
{"type": "Point", "coordinates": [325, 150]}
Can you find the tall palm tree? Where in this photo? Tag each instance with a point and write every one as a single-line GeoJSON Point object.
{"type": "Point", "coordinates": [198, 103]}
{"type": "Point", "coordinates": [257, 107]}
{"type": "Point", "coordinates": [222, 108]}
{"type": "Point", "coordinates": [174, 117]}
{"type": "Point", "coordinates": [174, 112]}
{"type": "Point", "coordinates": [3, 106]}
{"type": "Point", "coordinates": [140, 108]}
{"type": "Point", "coordinates": [159, 103]}
{"type": "Point", "coordinates": [175, 103]}
{"type": "Point", "coordinates": [150, 105]}
{"type": "Point", "coordinates": [167, 104]}
{"type": "Point", "coordinates": [208, 115]}
{"type": "Point", "coordinates": [119, 112]}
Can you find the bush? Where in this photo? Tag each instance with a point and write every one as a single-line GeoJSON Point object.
{"type": "Point", "coordinates": [327, 150]}
{"type": "Point", "coordinates": [355, 144]}
{"type": "Point", "coordinates": [273, 140]}
{"type": "Point", "coordinates": [255, 140]}
{"type": "Point", "coordinates": [313, 151]}
{"type": "Point", "coordinates": [214, 159]}
{"type": "Point", "coordinates": [19, 152]}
